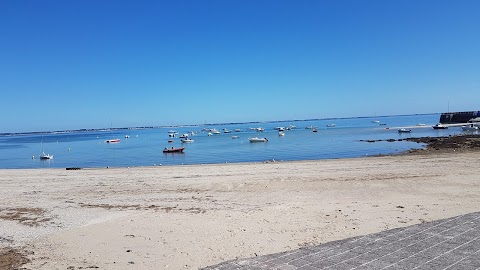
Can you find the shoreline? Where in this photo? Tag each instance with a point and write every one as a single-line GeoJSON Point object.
{"type": "Point", "coordinates": [192, 216]}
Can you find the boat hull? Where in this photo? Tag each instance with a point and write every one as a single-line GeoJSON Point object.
{"type": "Point", "coordinates": [174, 150]}
{"type": "Point", "coordinates": [255, 140]}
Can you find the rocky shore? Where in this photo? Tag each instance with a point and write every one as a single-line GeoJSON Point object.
{"type": "Point", "coordinates": [464, 142]}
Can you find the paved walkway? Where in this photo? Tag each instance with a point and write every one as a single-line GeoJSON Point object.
{"type": "Point", "coordinates": [452, 243]}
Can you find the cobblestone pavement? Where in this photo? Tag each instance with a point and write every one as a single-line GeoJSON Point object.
{"type": "Point", "coordinates": [452, 243]}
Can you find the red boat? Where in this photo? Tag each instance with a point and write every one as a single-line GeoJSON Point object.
{"type": "Point", "coordinates": [173, 150]}
{"type": "Point", "coordinates": [113, 141]}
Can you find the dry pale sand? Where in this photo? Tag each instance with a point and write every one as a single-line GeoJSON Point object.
{"type": "Point", "coordinates": [187, 217]}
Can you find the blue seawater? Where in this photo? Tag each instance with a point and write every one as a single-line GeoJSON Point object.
{"type": "Point", "coordinates": [144, 147]}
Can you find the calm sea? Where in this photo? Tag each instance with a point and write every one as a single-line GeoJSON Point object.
{"type": "Point", "coordinates": [144, 147]}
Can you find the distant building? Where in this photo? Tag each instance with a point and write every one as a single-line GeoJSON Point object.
{"type": "Point", "coordinates": [458, 117]}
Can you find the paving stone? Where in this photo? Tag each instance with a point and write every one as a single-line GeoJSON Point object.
{"type": "Point", "coordinates": [322, 264]}
{"type": "Point", "coordinates": [308, 267]}
{"type": "Point", "coordinates": [472, 262]}
{"type": "Point", "coordinates": [377, 264]}
{"type": "Point", "coordinates": [299, 262]}
{"type": "Point", "coordinates": [447, 244]}
{"type": "Point", "coordinates": [286, 267]}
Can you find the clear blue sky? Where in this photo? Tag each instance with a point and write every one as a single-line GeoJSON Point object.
{"type": "Point", "coordinates": [90, 64]}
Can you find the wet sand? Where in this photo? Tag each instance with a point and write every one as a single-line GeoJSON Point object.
{"type": "Point", "coordinates": [187, 217]}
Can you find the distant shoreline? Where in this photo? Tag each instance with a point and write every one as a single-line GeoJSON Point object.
{"type": "Point", "coordinates": [197, 125]}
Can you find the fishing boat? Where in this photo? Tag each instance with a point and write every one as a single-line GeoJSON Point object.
{"type": "Point", "coordinates": [256, 139]}
{"type": "Point", "coordinates": [173, 150]}
{"type": "Point", "coordinates": [113, 141]}
{"type": "Point", "coordinates": [404, 130]}
{"type": "Point", "coordinates": [186, 140]}
{"type": "Point", "coordinates": [439, 126]}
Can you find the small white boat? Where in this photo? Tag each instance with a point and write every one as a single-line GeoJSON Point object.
{"type": "Point", "coordinates": [127, 136]}
{"type": "Point", "coordinates": [404, 130]}
{"type": "Point", "coordinates": [470, 128]}
{"type": "Point", "coordinates": [474, 120]}
{"type": "Point", "coordinates": [238, 130]}
{"type": "Point", "coordinates": [187, 140]}
{"type": "Point", "coordinates": [45, 156]}
{"type": "Point", "coordinates": [281, 133]}
{"type": "Point", "coordinates": [279, 128]}
{"type": "Point", "coordinates": [235, 137]}
{"type": "Point", "coordinates": [209, 134]}
{"type": "Point", "coordinates": [439, 126]}
{"type": "Point", "coordinates": [375, 121]}
{"type": "Point", "coordinates": [256, 139]}
{"type": "Point", "coordinates": [421, 124]}
{"type": "Point", "coordinates": [215, 131]}
{"type": "Point", "coordinates": [260, 129]}
{"type": "Point", "coordinates": [184, 135]}
{"type": "Point", "coordinates": [226, 130]}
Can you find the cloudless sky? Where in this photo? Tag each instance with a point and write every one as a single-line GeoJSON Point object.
{"type": "Point", "coordinates": [94, 64]}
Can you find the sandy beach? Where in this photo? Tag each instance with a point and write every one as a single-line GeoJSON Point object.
{"type": "Point", "coordinates": [188, 217]}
